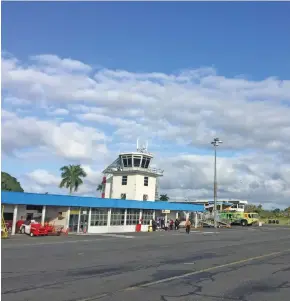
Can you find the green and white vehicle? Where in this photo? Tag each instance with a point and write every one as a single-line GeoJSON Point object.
{"type": "Point", "coordinates": [240, 218]}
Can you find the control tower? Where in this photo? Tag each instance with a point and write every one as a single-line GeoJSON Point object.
{"type": "Point", "coordinates": [131, 177]}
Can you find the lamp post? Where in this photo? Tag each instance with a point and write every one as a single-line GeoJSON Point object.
{"type": "Point", "coordinates": [215, 143]}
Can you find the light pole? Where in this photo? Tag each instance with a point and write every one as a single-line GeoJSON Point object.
{"type": "Point", "coordinates": [215, 143]}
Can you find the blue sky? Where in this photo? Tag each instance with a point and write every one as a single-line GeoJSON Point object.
{"type": "Point", "coordinates": [245, 47]}
{"type": "Point", "coordinates": [245, 38]}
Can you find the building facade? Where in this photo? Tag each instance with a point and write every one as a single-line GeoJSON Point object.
{"type": "Point", "coordinates": [89, 214]}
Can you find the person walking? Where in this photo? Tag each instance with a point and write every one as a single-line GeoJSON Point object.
{"type": "Point", "coordinates": [187, 226]}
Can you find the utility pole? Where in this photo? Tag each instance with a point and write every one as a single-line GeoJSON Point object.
{"type": "Point", "coordinates": [215, 143]}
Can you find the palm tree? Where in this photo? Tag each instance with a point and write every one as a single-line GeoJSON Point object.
{"type": "Point", "coordinates": [164, 197]}
{"type": "Point", "coordinates": [71, 177]}
{"type": "Point", "coordinates": [100, 187]}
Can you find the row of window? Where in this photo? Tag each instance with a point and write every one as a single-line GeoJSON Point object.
{"type": "Point", "coordinates": [135, 161]}
{"type": "Point", "coordinates": [125, 180]}
{"type": "Point", "coordinates": [124, 196]}
{"type": "Point", "coordinates": [99, 217]}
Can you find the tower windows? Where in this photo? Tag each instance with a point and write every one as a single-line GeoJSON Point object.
{"type": "Point", "coordinates": [145, 162]}
{"type": "Point", "coordinates": [137, 161]}
{"type": "Point", "coordinates": [124, 180]}
{"type": "Point", "coordinates": [127, 161]}
{"type": "Point", "coordinates": [145, 181]}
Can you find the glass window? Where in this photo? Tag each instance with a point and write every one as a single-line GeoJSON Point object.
{"type": "Point", "coordinates": [145, 181]}
{"type": "Point", "coordinates": [137, 161]}
{"type": "Point", "coordinates": [145, 197]}
{"type": "Point", "coordinates": [147, 215]}
{"type": "Point", "coordinates": [147, 162]}
{"type": "Point", "coordinates": [125, 162]}
{"type": "Point", "coordinates": [144, 159]}
{"type": "Point", "coordinates": [123, 196]}
{"type": "Point", "coordinates": [99, 217]}
{"type": "Point", "coordinates": [124, 180]}
{"type": "Point", "coordinates": [129, 161]}
{"type": "Point", "coordinates": [117, 217]}
{"type": "Point", "coordinates": [133, 216]}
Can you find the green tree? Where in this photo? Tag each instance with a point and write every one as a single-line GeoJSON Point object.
{"type": "Point", "coordinates": [9, 183]}
{"type": "Point", "coordinates": [100, 187]}
{"type": "Point", "coordinates": [164, 197]}
{"type": "Point", "coordinates": [72, 177]}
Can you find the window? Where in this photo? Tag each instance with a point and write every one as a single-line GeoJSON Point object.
{"type": "Point", "coordinates": [127, 161]}
{"type": "Point", "coordinates": [99, 217]}
{"type": "Point", "coordinates": [133, 216]}
{"type": "Point", "coordinates": [145, 181]}
{"type": "Point", "coordinates": [124, 180]}
{"type": "Point", "coordinates": [147, 215]}
{"type": "Point", "coordinates": [123, 196]}
{"type": "Point", "coordinates": [117, 217]}
{"type": "Point", "coordinates": [145, 197]}
{"type": "Point", "coordinates": [145, 162]}
{"type": "Point", "coordinates": [137, 161]}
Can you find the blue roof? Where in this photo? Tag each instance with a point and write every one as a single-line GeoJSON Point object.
{"type": "Point", "coordinates": [23, 198]}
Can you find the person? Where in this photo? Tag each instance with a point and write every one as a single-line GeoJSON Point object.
{"type": "Point", "coordinates": [171, 224]}
{"type": "Point", "coordinates": [176, 224]}
{"type": "Point", "coordinates": [187, 226]}
{"type": "Point", "coordinates": [154, 225]}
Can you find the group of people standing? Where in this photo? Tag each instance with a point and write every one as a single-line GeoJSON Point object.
{"type": "Point", "coordinates": [170, 225]}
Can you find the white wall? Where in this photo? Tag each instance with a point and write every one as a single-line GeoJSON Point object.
{"type": "Point", "coordinates": [129, 189]}
{"type": "Point", "coordinates": [115, 229]}
{"type": "Point", "coordinates": [134, 189]}
{"type": "Point", "coordinates": [141, 189]}
{"type": "Point", "coordinates": [52, 215]}
{"type": "Point", "coordinates": [108, 187]}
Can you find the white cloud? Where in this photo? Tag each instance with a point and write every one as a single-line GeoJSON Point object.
{"type": "Point", "coordinates": [69, 140]}
{"type": "Point", "coordinates": [181, 110]}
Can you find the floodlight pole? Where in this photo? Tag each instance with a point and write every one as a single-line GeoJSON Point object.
{"type": "Point", "coordinates": [215, 143]}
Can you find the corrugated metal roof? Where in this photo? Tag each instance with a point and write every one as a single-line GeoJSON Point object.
{"type": "Point", "coordinates": [22, 198]}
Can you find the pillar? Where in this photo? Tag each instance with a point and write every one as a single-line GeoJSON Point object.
{"type": "Point", "coordinates": [195, 220]}
{"type": "Point", "coordinates": [79, 221]}
{"type": "Point", "coordinates": [109, 217]}
{"type": "Point", "coordinates": [176, 215]}
{"type": "Point", "coordinates": [89, 219]}
{"type": "Point", "coordinates": [140, 216]}
{"type": "Point", "coordinates": [43, 214]}
{"type": "Point", "coordinates": [125, 217]}
{"type": "Point", "coordinates": [67, 217]}
{"type": "Point", "coordinates": [15, 211]}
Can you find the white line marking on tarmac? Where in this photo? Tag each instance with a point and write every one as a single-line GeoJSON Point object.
{"type": "Point", "coordinates": [117, 235]}
{"type": "Point", "coordinates": [164, 280]}
{"type": "Point", "coordinates": [51, 243]}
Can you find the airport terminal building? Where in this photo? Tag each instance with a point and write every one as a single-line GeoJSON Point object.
{"type": "Point", "coordinates": [130, 191]}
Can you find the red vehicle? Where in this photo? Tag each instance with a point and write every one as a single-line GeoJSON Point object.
{"type": "Point", "coordinates": [33, 228]}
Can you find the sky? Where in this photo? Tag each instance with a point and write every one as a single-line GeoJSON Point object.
{"type": "Point", "coordinates": [81, 81]}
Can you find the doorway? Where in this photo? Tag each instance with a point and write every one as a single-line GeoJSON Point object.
{"type": "Point", "coordinates": [73, 223]}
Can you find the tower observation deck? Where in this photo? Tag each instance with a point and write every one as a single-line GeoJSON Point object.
{"type": "Point", "coordinates": [130, 176]}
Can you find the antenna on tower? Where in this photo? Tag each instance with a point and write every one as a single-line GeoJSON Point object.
{"type": "Point", "coordinates": [147, 145]}
{"type": "Point", "coordinates": [137, 143]}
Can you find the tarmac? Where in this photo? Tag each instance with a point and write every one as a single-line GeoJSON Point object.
{"type": "Point", "coordinates": [247, 264]}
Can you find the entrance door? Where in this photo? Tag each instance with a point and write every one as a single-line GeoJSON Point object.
{"type": "Point", "coordinates": [73, 223]}
{"type": "Point", "coordinates": [84, 220]}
